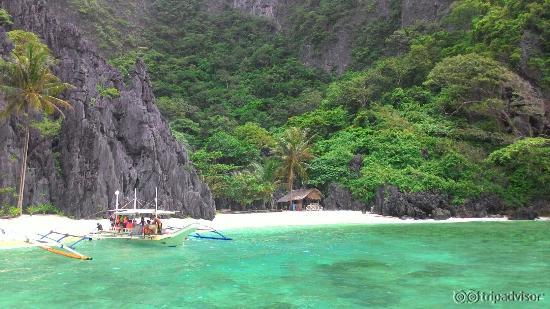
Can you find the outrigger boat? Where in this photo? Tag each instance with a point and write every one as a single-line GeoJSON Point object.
{"type": "Point", "coordinates": [168, 236]}
{"type": "Point", "coordinates": [64, 244]}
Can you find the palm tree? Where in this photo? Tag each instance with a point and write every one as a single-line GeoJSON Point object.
{"type": "Point", "coordinates": [28, 85]}
{"type": "Point", "coordinates": [294, 150]}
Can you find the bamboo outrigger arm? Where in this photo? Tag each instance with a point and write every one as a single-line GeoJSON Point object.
{"type": "Point", "coordinates": [56, 245]}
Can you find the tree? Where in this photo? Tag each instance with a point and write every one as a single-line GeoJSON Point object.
{"type": "Point", "coordinates": [473, 85]}
{"type": "Point", "coordinates": [526, 168]}
{"type": "Point", "coordinates": [28, 85]}
{"type": "Point", "coordinates": [255, 135]}
{"type": "Point", "coordinates": [294, 150]}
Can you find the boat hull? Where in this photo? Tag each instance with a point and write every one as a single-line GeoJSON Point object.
{"type": "Point", "coordinates": [169, 240]}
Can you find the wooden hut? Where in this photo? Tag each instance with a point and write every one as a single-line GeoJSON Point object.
{"type": "Point", "coordinates": [301, 198]}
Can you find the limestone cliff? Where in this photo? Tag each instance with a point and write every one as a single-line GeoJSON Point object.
{"type": "Point", "coordinates": [105, 144]}
{"type": "Point", "coordinates": [129, 17]}
{"type": "Point", "coordinates": [336, 54]}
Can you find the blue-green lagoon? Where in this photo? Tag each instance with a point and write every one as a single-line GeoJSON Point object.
{"type": "Point", "coordinates": [397, 265]}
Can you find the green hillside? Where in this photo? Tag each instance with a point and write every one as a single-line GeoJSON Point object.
{"type": "Point", "coordinates": [455, 106]}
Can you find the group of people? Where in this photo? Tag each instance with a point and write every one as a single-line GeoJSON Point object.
{"type": "Point", "coordinates": [123, 223]}
{"type": "Point", "coordinates": [152, 227]}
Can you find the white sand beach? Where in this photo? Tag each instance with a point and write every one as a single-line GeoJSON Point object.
{"type": "Point", "coordinates": [14, 232]}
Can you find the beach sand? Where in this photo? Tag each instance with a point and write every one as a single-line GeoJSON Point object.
{"type": "Point", "coordinates": [14, 232]}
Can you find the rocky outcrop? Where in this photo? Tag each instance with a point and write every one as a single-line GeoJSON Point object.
{"type": "Point", "coordinates": [390, 201]}
{"type": "Point", "coordinates": [335, 56]}
{"type": "Point", "coordinates": [262, 8]}
{"type": "Point", "coordinates": [486, 204]}
{"type": "Point", "coordinates": [340, 198]}
{"type": "Point", "coordinates": [413, 11]}
{"type": "Point", "coordinates": [524, 213]}
{"type": "Point", "coordinates": [106, 144]}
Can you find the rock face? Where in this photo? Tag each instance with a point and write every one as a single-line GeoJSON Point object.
{"type": "Point", "coordinates": [340, 198]}
{"type": "Point", "coordinates": [262, 8]}
{"type": "Point", "coordinates": [390, 201]}
{"type": "Point", "coordinates": [483, 206]}
{"type": "Point", "coordinates": [336, 55]}
{"type": "Point", "coordinates": [524, 213]}
{"type": "Point", "coordinates": [413, 11]}
{"type": "Point", "coordinates": [106, 144]}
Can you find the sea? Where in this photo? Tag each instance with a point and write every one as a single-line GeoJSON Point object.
{"type": "Point", "coordinates": [426, 265]}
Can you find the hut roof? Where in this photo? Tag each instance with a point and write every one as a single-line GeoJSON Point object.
{"type": "Point", "coordinates": [300, 195]}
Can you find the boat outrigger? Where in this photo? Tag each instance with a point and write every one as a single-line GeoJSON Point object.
{"type": "Point", "coordinates": [151, 232]}
{"type": "Point", "coordinates": [64, 245]}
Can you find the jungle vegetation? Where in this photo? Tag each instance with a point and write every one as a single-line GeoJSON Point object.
{"type": "Point", "coordinates": [429, 107]}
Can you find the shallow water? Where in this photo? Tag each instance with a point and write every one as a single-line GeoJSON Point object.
{"type": "Point", "coordinates": [412, 265]}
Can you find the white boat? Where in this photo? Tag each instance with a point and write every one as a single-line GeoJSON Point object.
{"type": "Point", "coordinates": [145, 233]}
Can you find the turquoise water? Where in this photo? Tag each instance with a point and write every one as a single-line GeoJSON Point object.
{"type": "Point", "coordinates": [414, 265]}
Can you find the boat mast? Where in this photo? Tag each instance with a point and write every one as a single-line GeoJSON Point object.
{"type": "Point", "coordinates": [116, 201]}
{"type": "Point", "coordinates": [135, 198]}
{"type": "Point", "coordinates": [156, 201]}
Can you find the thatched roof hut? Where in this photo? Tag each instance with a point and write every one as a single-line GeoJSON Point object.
{"type": "Point", "coordinates": [301, 197]}
{"type": "Point", "coordinates": [298, 195]}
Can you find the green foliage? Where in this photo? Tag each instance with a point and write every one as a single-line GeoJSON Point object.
{"type": "Point", "coordinates": [57, 163]}
{"type": "Point", "coordinates": [247, 187]}
{"type": "Point", "coordinates": [10, 211]}
{"type": "Point", "coordinates": [471, 85]}
{"type": "Point", "coordinates": [8, 191]}
{"type": "Point", "coordinates": [44, 209]}
{"type": "Point", "coordinates": [108, 21]}
{"type": "Point", "coordinates": [5, 18]}
{"type": "Point", "coordinates": [468, 78]}
{"type": "Point", "coordinates": [232, 149]}
{"type": "Point", "coordinates": [28, 85]}
{"type": "Point", "coordinates": [175, 108]}
{"type": "Point", "coordinates": [228, 65]}
{"type": "Point", "coordinates": [47, 127]}
{"type": "Point", "coordinates": [293, 151]}
{"type": "Point", "coordinates": [423, 105]}
{"type": "Point", "coordinates": [107, 92]}
{"type": "Point", "coordinates": [26, 79]}
{"type": "Point", "coordinates": [322, 121]}
{"type": "Point", "coordinates": [255, 135]}
{"type": "Point", "coordinates": [525, 167]}
{"type": "Point", "coordinates": [230, 182]}
{"type": "Point", "coordinates": [24, 40]}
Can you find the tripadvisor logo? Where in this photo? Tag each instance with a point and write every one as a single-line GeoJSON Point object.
{"type": "Point", "coordinates": [474, 297]}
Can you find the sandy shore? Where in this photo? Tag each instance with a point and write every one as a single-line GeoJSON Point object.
{"type": "Point", "coordinates": [14, 232]}
{"type": "Point", "coordinates": [292, 218]}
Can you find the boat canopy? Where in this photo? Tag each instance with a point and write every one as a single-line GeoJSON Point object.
{"type": "Point", "coordinates": [143, 211]}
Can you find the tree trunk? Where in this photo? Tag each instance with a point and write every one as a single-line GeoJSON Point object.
{"type": "Point", "coordinates": [290, 182]}
{"type": "Point", "coordinates": [23, 169]}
